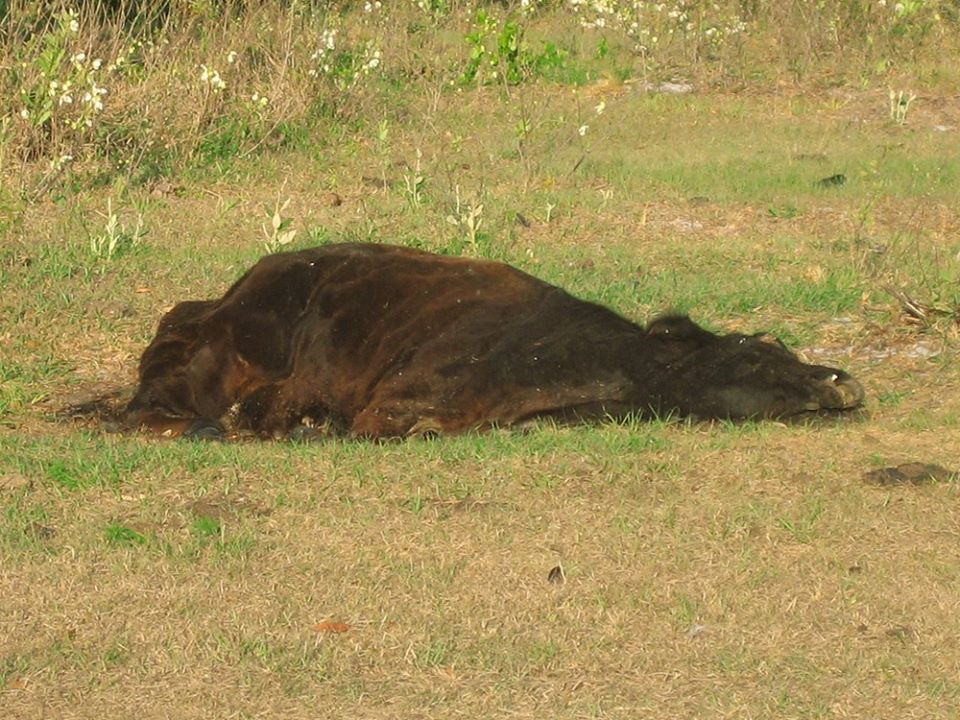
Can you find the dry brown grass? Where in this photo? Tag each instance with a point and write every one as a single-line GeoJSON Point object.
{"type": "Point", "coordinates": [710, 570]}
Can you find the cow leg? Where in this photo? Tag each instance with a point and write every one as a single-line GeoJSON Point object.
{"type": "Point", "coordinates": [193, 428]}
{"type": "Point", "coordinates": [404, 419]}
{"type": "Point", "coordinates": [279, 409]}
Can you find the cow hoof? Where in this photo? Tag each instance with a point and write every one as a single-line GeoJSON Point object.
{"type": "Point", "coordinates": [204, 429]}
{"type": "Point", "coordinates": [304, 434]}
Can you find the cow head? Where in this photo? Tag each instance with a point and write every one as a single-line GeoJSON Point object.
{"type": "Point", "coordinates": [172, 372]}
{"type": "Point", "coordinates": [744, 376]}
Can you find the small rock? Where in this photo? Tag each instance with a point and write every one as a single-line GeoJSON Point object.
{"type": "Point", "coordinates": [669, 88]}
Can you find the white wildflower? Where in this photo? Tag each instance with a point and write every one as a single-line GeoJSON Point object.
{"type": "Point", "coordinates": [65, 97]}
{"type": "Point", "coordinates": [212, 78]}
{"type": "Point", "coordinates": [231, 57]}
{"type": "Point", "coordinates": [328, 38]}
{"type": "Point", "coordinates": [601, 107]}
{"type": "Point", "coordinates": [58, 163]}
{"type": "Point", "coordinates": [582, 130]}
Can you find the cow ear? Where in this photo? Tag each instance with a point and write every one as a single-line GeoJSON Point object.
{"type": "Point", "coordinates": [677, 326]}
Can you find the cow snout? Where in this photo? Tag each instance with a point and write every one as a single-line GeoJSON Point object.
{"type": "Point", "coordinates": [839, 391]}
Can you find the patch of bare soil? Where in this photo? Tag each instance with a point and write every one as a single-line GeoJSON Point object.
{"type": "Point", "coordinates": [913, 473]}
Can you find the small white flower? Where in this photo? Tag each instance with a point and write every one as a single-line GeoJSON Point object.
{"type": "Point", "coordinates": [212, 78]}
{"type": "Point", "coordinates": [601, 107]}
{"type": "Point", "coordinates": [92, 97]}
{"type": "Point", "coordinates": [74, 26]}
{"type": "Point", "coordinates": [78, 58]}
{"type": "Point", "coordinates": [25, 114]}
{"type": "Point", "coordinates": [231, 57]}
{"type": "Point", "coordinates": [582, 130]}
{"type": "Point", "coordinates": [328, 38]}
{"type": "Point", "coordinates": [96, 64]}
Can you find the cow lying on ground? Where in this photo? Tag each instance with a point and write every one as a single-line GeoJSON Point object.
{"type": "Point", "coordinates": [378, 341]}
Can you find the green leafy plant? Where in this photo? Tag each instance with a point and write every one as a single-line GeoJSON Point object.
{"type": "Point", "coordinates": [468, 218]}
{"type": "Point", "coordinates": [279, 233]}
{"type": "Point", "coordinates": [497, 51]}
{"type": "Point", "coordinates": [60, 92]}
{"type": "Point", "coordinates": [413, 181]}
{"type": "Point", "coordinates": [120, 535]}
{"type": "Point", "coordinates": [900, 105]}
{"type": "Point", "coordinates": [116, 236]}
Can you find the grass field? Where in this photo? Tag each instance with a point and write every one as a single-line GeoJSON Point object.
{"type": "Point", "coordinates": [708, 570]}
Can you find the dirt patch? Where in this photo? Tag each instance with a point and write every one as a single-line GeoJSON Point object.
{"type": "Point", "coordinates": [912, 473]}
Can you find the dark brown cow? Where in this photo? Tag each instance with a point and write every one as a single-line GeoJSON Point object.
{"type": "Point", "coordinates": [380, 341]}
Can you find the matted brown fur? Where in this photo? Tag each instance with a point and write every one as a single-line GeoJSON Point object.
{"type": "Point", "coordinates": [384, 341]}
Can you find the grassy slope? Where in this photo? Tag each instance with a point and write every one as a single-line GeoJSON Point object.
{"type": "Point", "coordinates": [711, 570]}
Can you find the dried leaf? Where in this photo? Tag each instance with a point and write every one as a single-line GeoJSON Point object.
{"type": "Point", "coordinates": [331, 627]}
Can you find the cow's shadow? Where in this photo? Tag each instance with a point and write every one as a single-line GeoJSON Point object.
{"type": "Point", "coordinates": [103, 410]}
